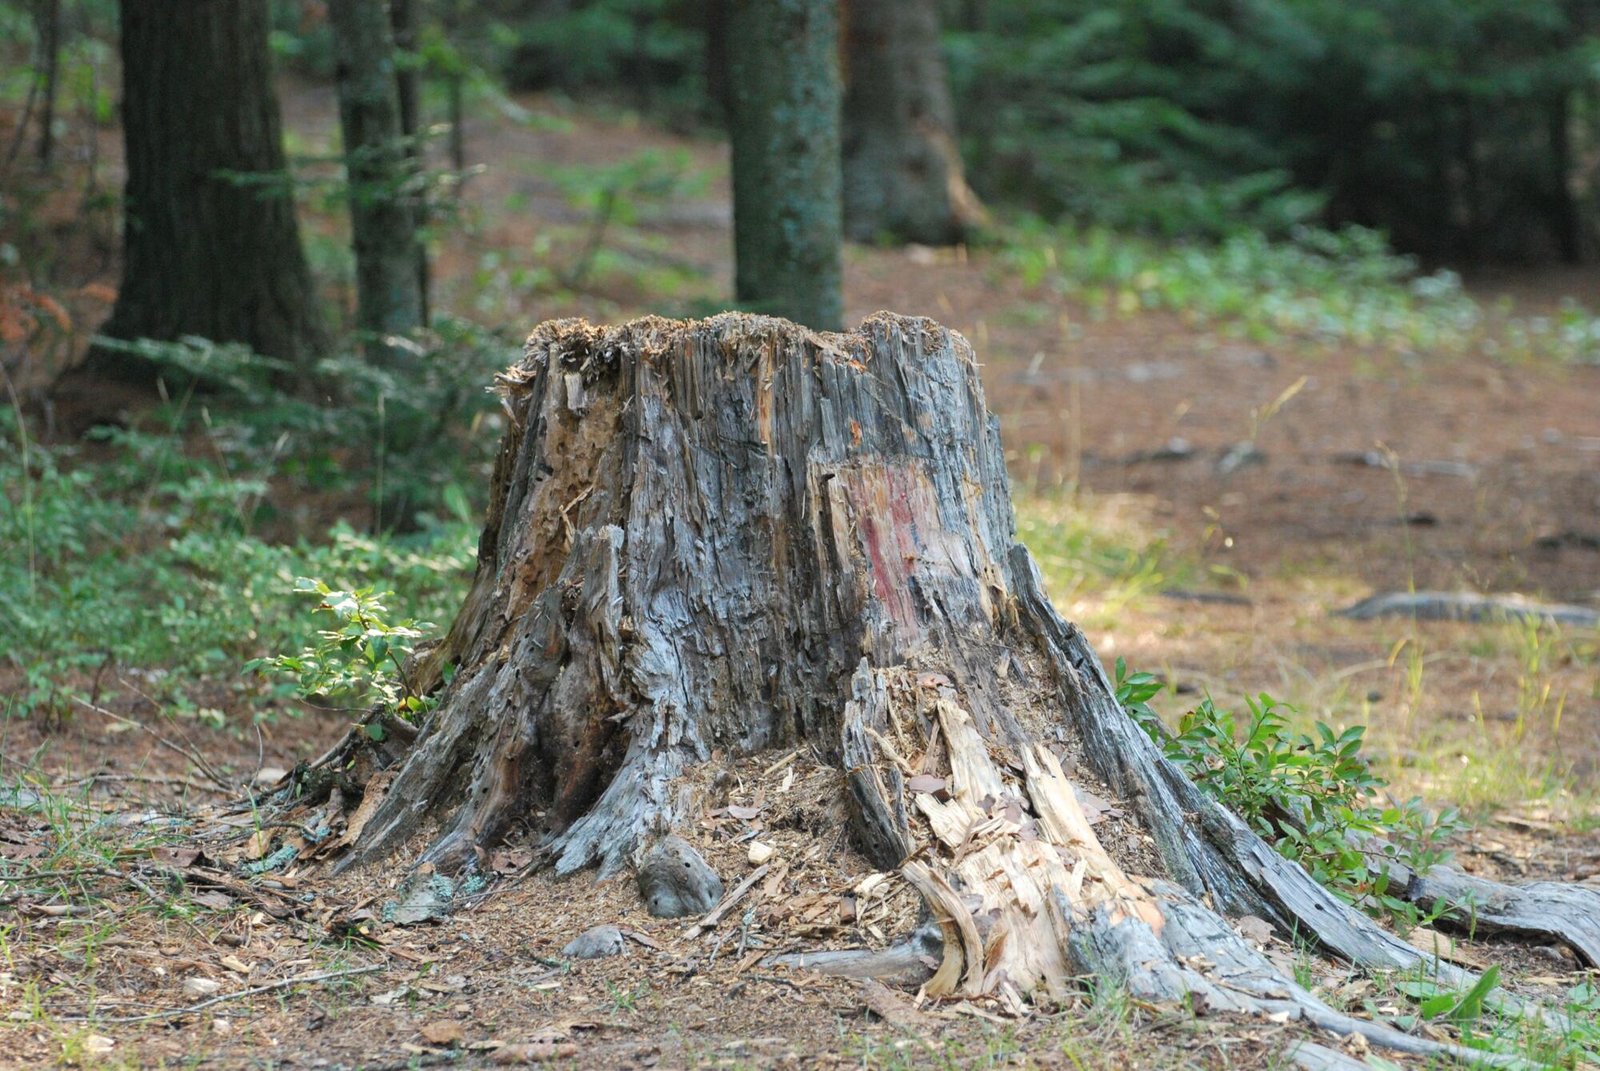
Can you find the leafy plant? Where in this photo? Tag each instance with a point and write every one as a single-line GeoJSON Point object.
{"type": "Point", "coordinates": [361, 659]}
{"type": "Point", "coordinates": [139, 565]}
{"type": "Point", "coordinates": [1313, 796]}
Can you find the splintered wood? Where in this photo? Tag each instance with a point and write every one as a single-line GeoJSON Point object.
{"type": "Point", "coordinates": [1011, 836]}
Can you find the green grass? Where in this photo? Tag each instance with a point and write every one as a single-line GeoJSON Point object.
{"type": "Point", "coordinates": [142, 562]}
{"type": "Point", "coordinates": [1322, 287]}
{"type": "Point", "coordinates": [1095, 549]}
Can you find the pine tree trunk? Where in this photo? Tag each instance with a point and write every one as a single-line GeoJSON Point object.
{"type": "Point", "coordinates": [210, 245]}
{"type": "Point", "coordinates": [408, 86]}
{"type": "Point", "coordinates": [383, 223]}
{"type": "Point", "coordinates": [902, 160]}
{"type": "Point", "coordinates": [783, 121]}
{"type": "Point", "coordinates": [47, 19]}
{"type": "Point", "coordinates": [739, 535]}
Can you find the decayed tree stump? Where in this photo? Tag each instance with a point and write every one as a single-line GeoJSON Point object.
{"type": "Point", "coordinates": [738, 534]}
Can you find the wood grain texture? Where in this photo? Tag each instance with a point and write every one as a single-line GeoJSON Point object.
{"type": "Point", "coordinates": [741, 535]}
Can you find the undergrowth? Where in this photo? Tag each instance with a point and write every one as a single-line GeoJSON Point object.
{"type": "Point", "coordinates": [1325, 287]}
{"type": "Point", "coordinates": [158, 557]}
{"type": "Point", "coordinates": [1312, 796]}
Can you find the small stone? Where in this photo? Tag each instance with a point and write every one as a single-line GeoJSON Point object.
{"type": "Point", "coordinates": [675, 880]}
{"type": "Point", "coordinates": [760, 853]}
{"type": "Point", "coordinates": [201, 987]}
{"type": "Point", "coordinates": [597, 942]}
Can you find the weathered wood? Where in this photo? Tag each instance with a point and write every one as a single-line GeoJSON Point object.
{"type": "Point", "coordinates": [1469, 606]}
{"type": "Point", "coordinates": [675, 880]}
{"type": "Point", "coordinates": [742, 535]}
{"type": "Point", "coordinates": [909, 961]}
{"type": "Point", "coordinates": [1554, 911]}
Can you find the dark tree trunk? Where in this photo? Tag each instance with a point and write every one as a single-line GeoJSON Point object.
{"type": "Point", "coordinates": [408, 86]}
{"type": "Point", "coordinates": [715, 24]}
{"type": "Point", "coordinates": [783, 121]}
{"type": "Point", "coordinates": [739, 535]}
{"type": "Point", "coordinates": [210, 245]}
{"type": "Point", "coordinates": [48, 20]}
{"type": "Point", "coordinates": [1566, 225]}
{"type": "Point", "coordinates": [902, 160]}
{"type": "Point", "coordinates": [383, 195]}
{"type": "Point", "coordinates": [455, 80]}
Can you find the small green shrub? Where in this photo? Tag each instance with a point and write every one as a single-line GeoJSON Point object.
{"type": "Point", "coordinates": [1312, 796]}
{"type": "Point", "coordinates": [361, 660]}
{"type": "Point", "coordinates": [139, 560]}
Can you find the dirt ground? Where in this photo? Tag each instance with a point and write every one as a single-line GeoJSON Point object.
{"type": "Point", "coordinates": [1381, 473]}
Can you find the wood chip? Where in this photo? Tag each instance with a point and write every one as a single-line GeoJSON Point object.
{"type": "Point", "coordinates": [443, 1032]}
{"type": "Point", "coordinates": [535, 1052]}
{"type": "Point", "coordinates": [893, 1008]}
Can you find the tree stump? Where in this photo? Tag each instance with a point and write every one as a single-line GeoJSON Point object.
{"type": "Point", "coordinates": [739, 534]}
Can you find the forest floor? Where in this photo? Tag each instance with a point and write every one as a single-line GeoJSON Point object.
{"type": "Point", "coordinates": [1242, 493]}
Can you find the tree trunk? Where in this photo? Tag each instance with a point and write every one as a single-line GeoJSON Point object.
{"type": "Point", "coordinates": [47, 18]}
{"type": "Point", "coordinates": [783, 121]}
{"type": "Point", "coordinates": [408, 87]}
{"type": "Point", "coordinates": [739, 535]}
{"type": "Point", "coordinates": [902, 160]}
{"type": "Point", "coordinates": [383, 224]}
{"type": "Point", "coordinates": [210, 245]}
{"type": "Point", "coordinates": [1565, 219]}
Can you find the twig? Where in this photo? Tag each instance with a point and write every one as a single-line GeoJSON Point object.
{"type": "Point", "coordinates": [728, 902]}
{"type": "Point", "coordinates": [149, 779]}
{"type": "Point", "coordinates": [172, 1013]}
{"type": "Point", "coordinates": [189, 753]}
{"type": "Point", "coordinates": [781, 763]}
{"type": "Point", "coordinates": [138, 883]}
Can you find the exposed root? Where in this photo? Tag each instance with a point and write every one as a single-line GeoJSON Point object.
{"type": "Point", "coordinates": [1554, 911]}
{"type": "Point", "coordinates": [1029, 900]}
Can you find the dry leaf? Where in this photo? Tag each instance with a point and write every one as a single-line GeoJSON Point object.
{"type": "Point", "coordinates": [176, 856]}
{"type": "Point", "coordinates": [235, 964]}
{"type": "Point", "coordinates": [443, 1032]}
{"type": "Point", "coordinates": [535, 1052]}
{"type": "Point", "coordinates": [256, 847]}
{"type": "Point", "coordinates": [1254, 928]}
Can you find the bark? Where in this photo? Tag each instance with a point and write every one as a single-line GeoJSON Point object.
{"type": "Point", "coordinates": [742, 535]}
{"type": "Point", "coordinates": [47, 17]}
{"type": "Point", "coordinates": [210, 244]}
{"type": "Point", "coordinates": [455, 79]}
{"type": "Point", "coordinates": [383, 206]}
{"type": "Point", "coordinates": [1565, 218]}
{"type": "Point", "coordinates": [783, 122]}
{"type": "Point", "coordinates": [408, 87]}
{"type": "Point", "coordinates": [902, 160]}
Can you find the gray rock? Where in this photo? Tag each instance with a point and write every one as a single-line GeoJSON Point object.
{"type": "Point", "coordinates": [675, 881]}
{"type": "Point", "coordinates": [1238, 456]}
{"type": "Point", "coordinates": [597, 942]}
